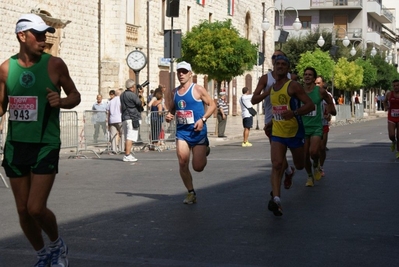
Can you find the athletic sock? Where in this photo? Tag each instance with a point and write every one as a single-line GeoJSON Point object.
{"type": "Point", "coordinates": [288, 170]}
{"type": "Point", "coordinates": [56, 243]}
{"type": "Point", "coordinates": [192, 191]}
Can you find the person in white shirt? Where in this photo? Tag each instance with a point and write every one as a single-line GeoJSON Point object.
{"type": "Point", "coordinates": [247, 119]}
{"type": "Point", "coordinates": [115, 122]}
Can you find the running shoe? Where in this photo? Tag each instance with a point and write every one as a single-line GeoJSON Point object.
{"type": "Point", "coordinates": [275, 207]}
{"type": "Point", "coordinates": [310, 181]}
{"type": "Point", "coordinates": [59, 255]}
{"type": "Point", "coordinates": [129, 158]}
{"type": "Point", "coordinates": [43, 260]}
{"type": "Point", "coordinates": [317, 173]}
{"type": "Point", "coordinates": [322, 172]}
{"type": "Point", "coordinates": [288, 178]}
{"type": "Point", "coordinates": [393, 146]}
{"type": "Point", "coordinates": [246, 144]}
{"type": "Point", "coordinates": [191, 198]}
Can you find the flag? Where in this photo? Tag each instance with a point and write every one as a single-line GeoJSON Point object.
{"type": "Point", "coordinates": [201, 2]}
{"type": "Point", "coordinates": [230, 4]}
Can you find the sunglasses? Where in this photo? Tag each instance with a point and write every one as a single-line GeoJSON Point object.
{"type": "Point", "coordinates": [184, 71]}
{"type": "Point", "coordinates": [274, 56]}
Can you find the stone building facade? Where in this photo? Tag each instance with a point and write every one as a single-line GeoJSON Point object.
{"type": "Point", "coordinates": [95, 37]}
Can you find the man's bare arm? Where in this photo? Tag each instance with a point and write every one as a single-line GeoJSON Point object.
{"type": "Point", "coordinates": [58, 69]}
{"type": "Point", "coordinates": [3, 91]}
{"type": "Point", "coordinates": [259, 93]}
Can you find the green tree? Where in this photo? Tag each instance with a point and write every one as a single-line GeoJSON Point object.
{"type": "Point", "coordinates": [386, 73]}
{"type": "Point", "coordinates": [319, 60]}
{"type": "Point", "coordinates": [347, 75]}
{"type": "Point", "coordinates": [369, 73]}
{"type": "Point", "coordinates": [297, 45]}
{"type": "Point", "coordinates": [217, 50]}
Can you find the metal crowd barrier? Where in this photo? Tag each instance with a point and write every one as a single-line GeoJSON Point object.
{"type": "Point", "coordinates": [159, 133]}
{"type": "Point", "coordinates": [69, 131]}
{"type": "Point", "coordinates": [343, 112]}
{"type": "Point", "coordinates": [359, 111]}
{"type": "Point", "coordinates": [95, 130]}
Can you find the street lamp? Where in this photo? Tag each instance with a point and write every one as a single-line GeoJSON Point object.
{"type": "Point", "coordinates": [345, 41]}
{"type": "Point", "coordinates": [353, 50]}
{"type": "Point", "coordinates": [373, 51]}
{"type": "Point", "coordinates": [297, 25]}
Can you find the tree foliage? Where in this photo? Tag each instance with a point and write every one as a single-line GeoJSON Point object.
{"type": "Point", "coordinates": [319, 60]}
{"type": "Point", "coordinates": [217, 50]}
{"type": "Point", "coordinates": [386, 73]}
{"type": "Point", "coordinates": [347, 75]}
{"type": "Point", "coordinates": [376, 72]}
{"type": "Point", "coordinates": [369, 73]}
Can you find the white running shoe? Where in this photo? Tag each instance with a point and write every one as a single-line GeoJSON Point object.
{"type": "Point", "coordinates": [129, 158]}
{"type": "Point", "coordinates": [59, 255]}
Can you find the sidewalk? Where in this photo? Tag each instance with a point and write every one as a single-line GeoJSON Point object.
{"type": "Point", "coordinates": [234, 129]}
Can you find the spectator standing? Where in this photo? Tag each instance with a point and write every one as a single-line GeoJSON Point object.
{"type": "Point", "coordinates": [31, 160]}
{"type": "Point", "coordinates": [99, 118]}
{"type": "Point", "coordinates": [163, 89]}
{"type": "Point", "coordinates": [391, 105]}
{"type": "Point", "coordinates": [141, 96]}
{"type": "Point", "coordinates": [131, 117]}
{"type": "Point", "coordinates": [157, 117]}
{"type": "Point", "coordinates": [149, 97]}
{"type": "Point", "coordinates": [341, 100]}
{"type": "Point", "coordinates": [247, 119]}
{"type": "Point", "coordinates": [223, 111]}
{"type": "Point", "coordinates": [187, 103]}
{"type": "Point", "coordinates": [115, 122]}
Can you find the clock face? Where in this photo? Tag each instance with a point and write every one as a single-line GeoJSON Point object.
{"type": "Point", "coordinates": [136, 60]}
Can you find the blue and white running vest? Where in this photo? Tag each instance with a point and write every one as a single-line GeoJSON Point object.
{"type": "Point", "coordinates": [188, 111]}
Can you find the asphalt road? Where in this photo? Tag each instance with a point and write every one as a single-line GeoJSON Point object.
{"type": "Point", "coordinates": [113, 213]}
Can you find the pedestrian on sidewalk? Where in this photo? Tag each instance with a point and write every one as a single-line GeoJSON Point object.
{"type": "Point", "coordinates": [131, 107]}
{"type": "Point", "coordinates": [287, 130]}
{"type": "Point", "coordinates": [247, 118]}
{"type": "Point", "coordinates": [391, 104]}
{"type": "Point", "coordinates": [117, 137]}
{"type": "Point", "coordinates": [31, 153]}
{"type": "Point", "coordinates": [99, 119]}
{"type": "Point", "coordinates": [262, 92]}
{"type": "Point", "coordinates": [186, 103]}
{"type": "Point", "coordinates": [223, 111]}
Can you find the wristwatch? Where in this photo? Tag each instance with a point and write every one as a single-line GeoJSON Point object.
{"type": "Point", "coordinates": [296, 112]}
{"type": "Point", "coordinates": [203, 119]}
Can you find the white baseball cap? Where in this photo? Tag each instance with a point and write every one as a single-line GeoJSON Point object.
{"type": "Point", "coordinates": [183, 65]}
{"type": "Point", "coordinates": [32, 22]}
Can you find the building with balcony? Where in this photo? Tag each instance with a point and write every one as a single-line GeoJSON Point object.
{"type": "Point", "coordinates": [367, 21]}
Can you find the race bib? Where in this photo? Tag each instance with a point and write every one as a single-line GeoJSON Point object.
{"type": "Point", "coordinates": [23, 108]}
{"type": "Point", "coordinates": [395, 112]}
{"type": "Point", "coordinates": [313, 112]}
{"type": "Point", "coordinates": [185, 116]}
{"type": "Point", "coordinates": [277, 111]}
